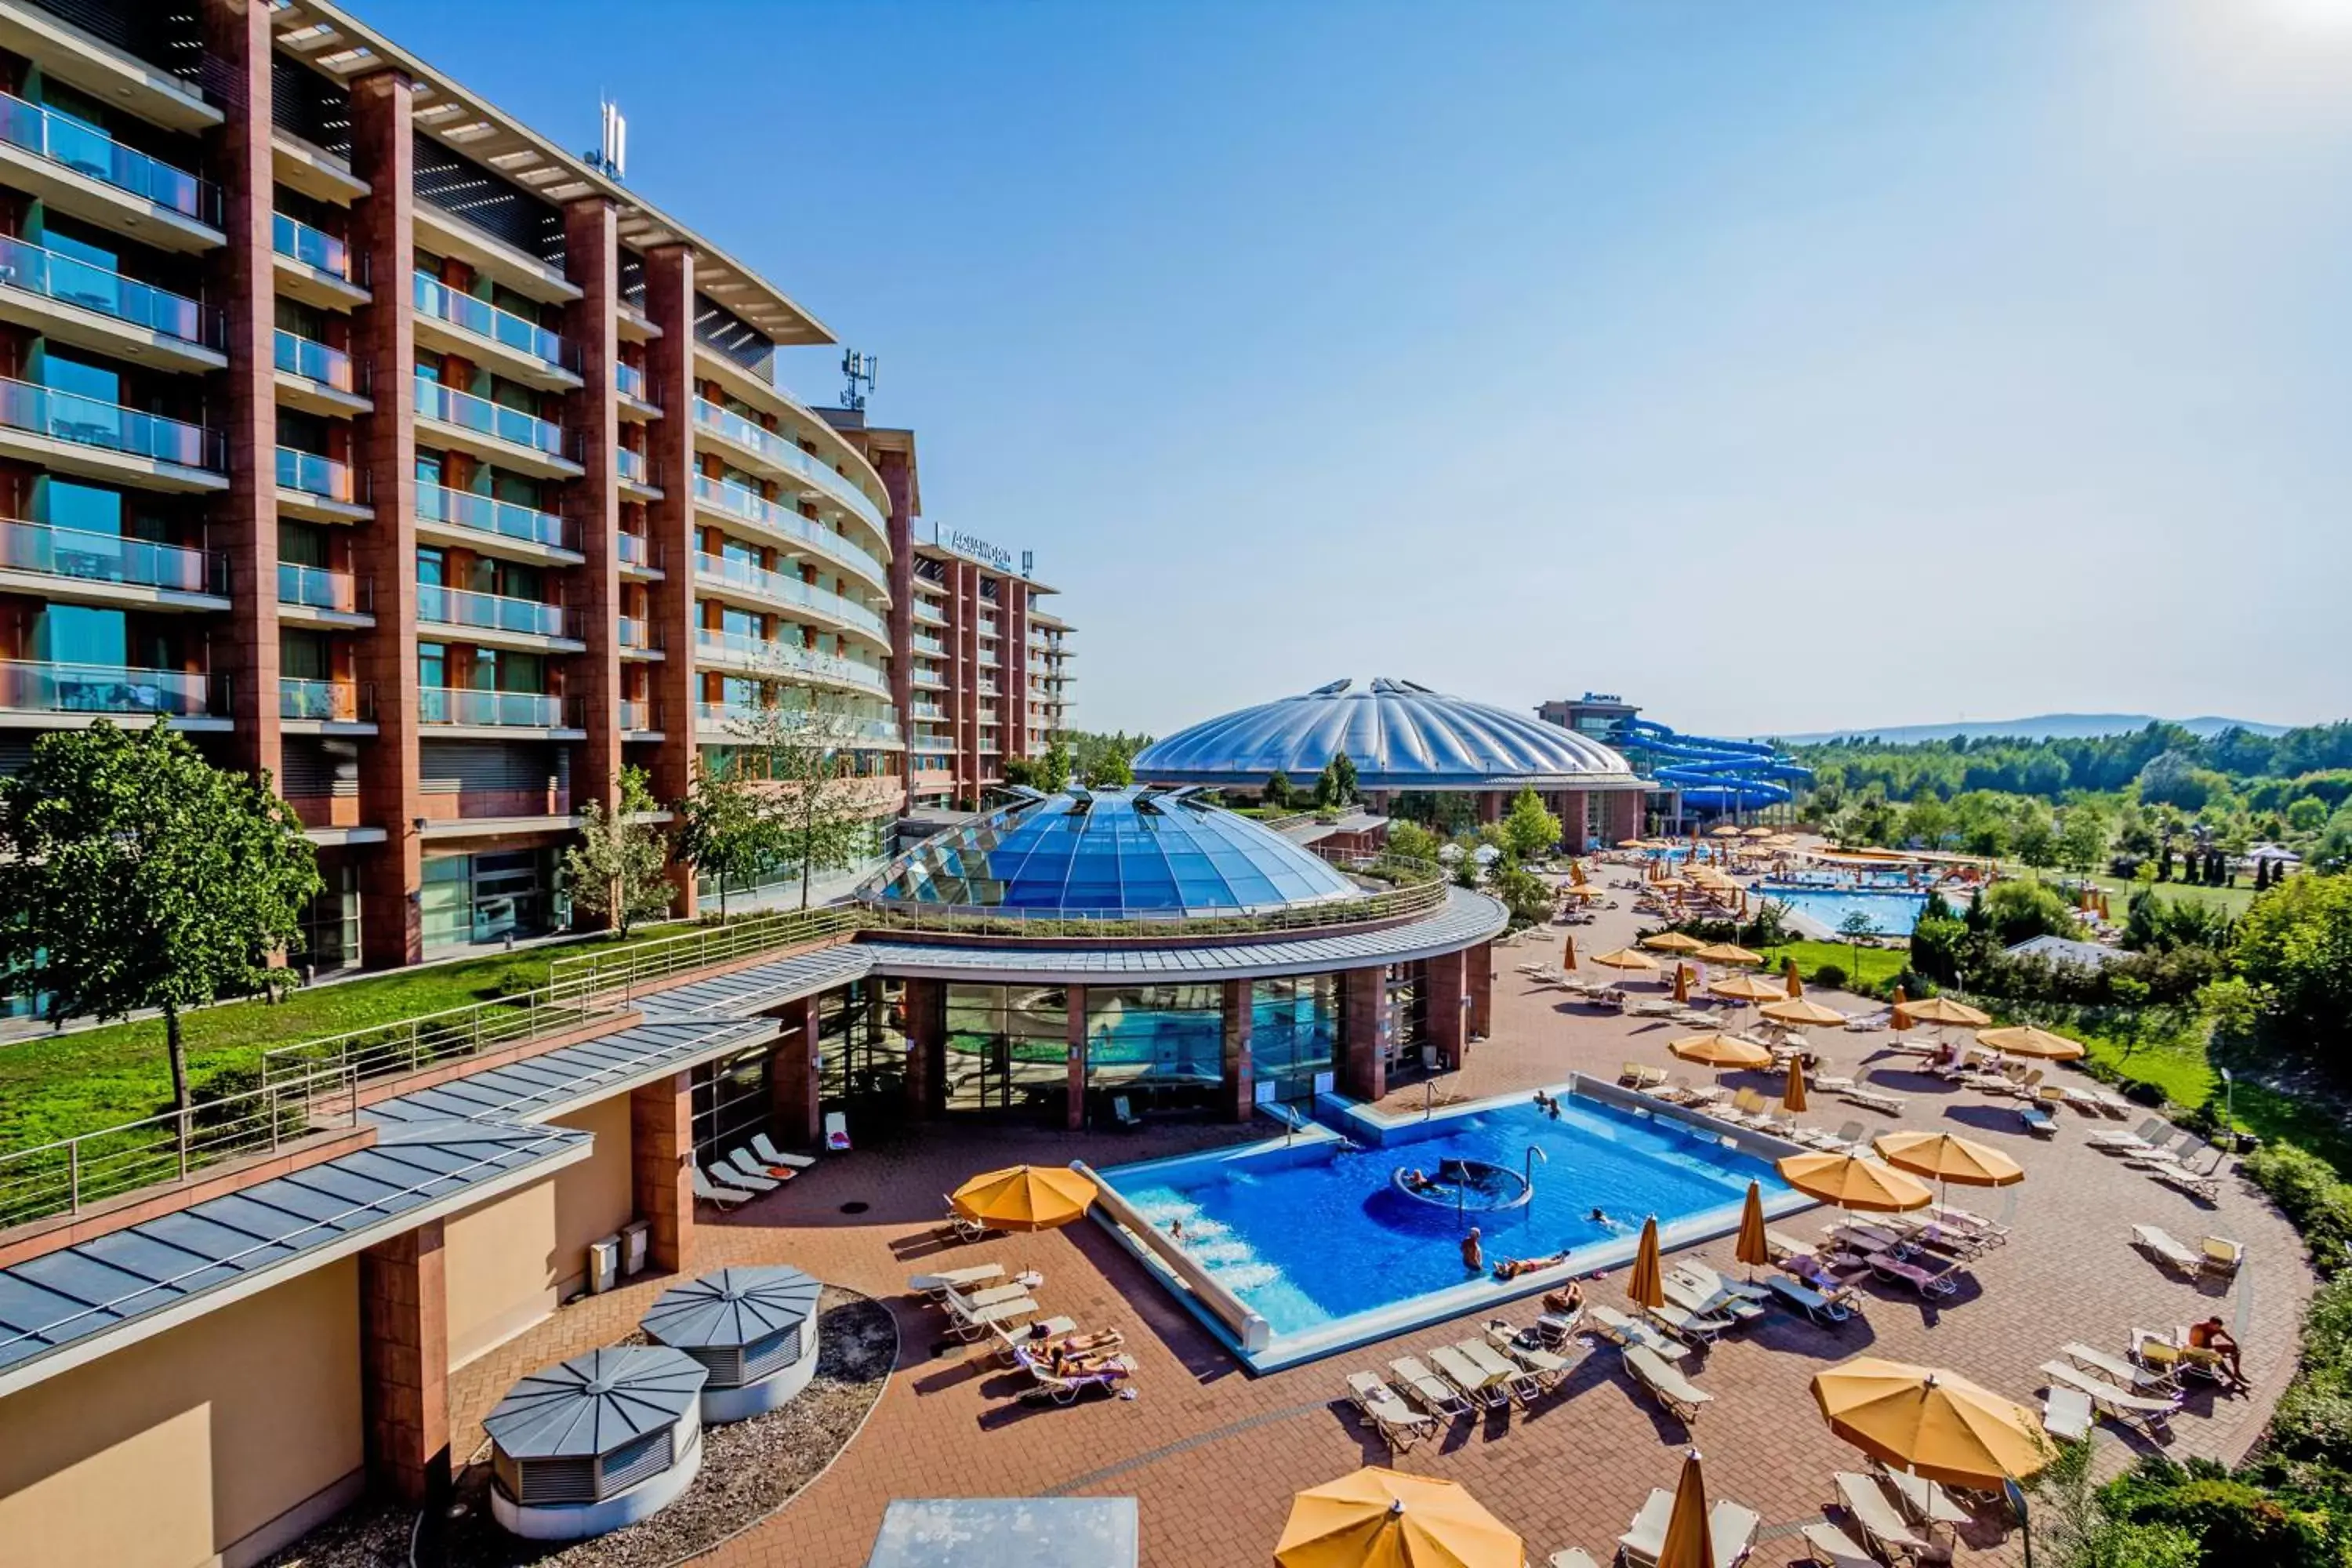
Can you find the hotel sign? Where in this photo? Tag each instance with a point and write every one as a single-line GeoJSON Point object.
{"type": "Point", "coordinates": [995, 557]}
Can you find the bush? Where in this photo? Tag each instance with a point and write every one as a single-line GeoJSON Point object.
{"type": "Point", "coordinates": [1831, 977]}
{"type": "Point", "coordinates": [2308, 1190]}
{"type": "Point", "coordinates": [2233, 1520]}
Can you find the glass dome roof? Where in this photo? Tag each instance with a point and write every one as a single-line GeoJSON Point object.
{"type": "Point", "coordinates": [1110, 852]}
{"type": "Point", "coordinates": [1399, 735]}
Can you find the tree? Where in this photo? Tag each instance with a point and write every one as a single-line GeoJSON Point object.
{"type": "Point", "coordinates": [1856, 925]}
{"type": "Point", "coordinates": [619, 872]}
{"type": "Point", "coordinates": [2083, 839]}
{"type": "Point", "coordinates": [1276, 793]}
{"type": "Point", "coordinates": [1327, 788]}
{"type": "Point", "coordinates": [2036, 842]}
{"type": "Point", "coordinates": [723, 830]}
{"type": "Point", "coordinates": [811, 797]}
{"type": "Point", "coordinates": [1053, 769]}
{"type": "Point", "coordinates": [1528, 830]}
{"type": "Point", "coordinates": [134, 874]}
{"type": "Point", "coordinates": [1411, 841]}
{"type": "Point", "coordinates": [2296, 942]}
{"type": "Point", "coordinates": [1343, 773]}
{"type": "Point", "coordinates": [1528, 897]}
{"type": "Point", "coordinates": [1116, 768]}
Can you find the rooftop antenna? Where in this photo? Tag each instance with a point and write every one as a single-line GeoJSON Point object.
{"type": "Point", "coordinates": [612, 155]}
{"type": "Point", "coordinates": [858, 367]}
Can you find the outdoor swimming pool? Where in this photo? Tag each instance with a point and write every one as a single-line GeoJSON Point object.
{"type": "Point", "coordinates": [1314, 1238]}
{"type": "Point", "coordinates": [1891, 913]}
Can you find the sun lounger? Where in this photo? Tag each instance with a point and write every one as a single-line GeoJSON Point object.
{"type": "Point", "coordinates": [947, 1279]}
{"type": "Point", "coordinates": [2167, 1249]}
{"type": "Point", "coordinates": [1729, 1526]}
{"type": "Point", "coordinates": [2137, 1141]}
{"type": "Point", "coordinates": [1675, 1393]}
{"type": "Point", "coordinates": [1976, 1225]}
{"type": "Point", "coordinates": [1012, 1338]}
{"type": "Point", "coordinates": [1783, 1246]}
{"type": "Point", "coordinates": [1691, 1327]}
{"type": "Point", "coordinates": [1703, 1301]}
{"type": "Point", "coordinates": [1069, 1389]}
{"type": "Point", "coordinates": [2118, 1371]}
{"type": "Point", "coordinates": [1708, 1277]}
{"type": "Point", "coordinates": [1515, 1383]}
{"type": "Point", "coordinates": [744, 1172]}
{"type": "Point", "coordinates": [1572, 1557]}
{"type": "Point", "coordinates": [969, 1321]}
{"type": "Point", "coordinates": [1614, 1325]}
{"type": "Point", "coordinates": [1524, 1346]}
{"type": "Point", "coordinates": [1556, 1329]}
{"type": "Point", "coordinates": [2066, 1413]}
{"type": "Point", "coordinates": [1433, 1393]}
{"type": "Point", "coordinates": [718, 1192]}
{"type": "Point", "coordinates": [2151, 1414]}
{"type": "Point", "coordinates": [960, 1225]}
{"type": "Point", "coordinates": [1927, 1282]}
{"type": "Point", "coordinates": [1828, 1311]}
{"type": "Point", "coordinates": [1921, 1500]}
{"type": "Point", "coordinates": [2038, 1121]}
{"type": "Point", "coordinates": [2113, 1104]}
{"type": "Point", "coordinates": [1884, 1527]}
{"type": "Point", "coordinates": [1390, 1415]}
{"type": "Point", "coordinates": [1830, 1547]}
{"type": "Point", "coordinates": [1477, 1384]}
{"type": "Point", "coordinates": [1874, 1099]}
{"type": "Point", "coordinates": [764, 1146]}
{"type": "Point", "coordinates": [990, 1295]}
{"type": "Point", "coordinates": [2222, 1256]}
{"type": "Point", "coordinates": [2202, 1185]}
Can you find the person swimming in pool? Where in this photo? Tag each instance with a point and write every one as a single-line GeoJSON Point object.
{"type": "Point", "coordinates": [1474, 1257]}
{"type": "Point", "coordinates": [1600, 1216]}
{"type": "Point", "coordinates": [1417, 1179]}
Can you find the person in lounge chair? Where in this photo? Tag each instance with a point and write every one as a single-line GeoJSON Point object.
{"type": "Point", "coordinates": [2211, 1337]}
{"type": "Point", "coordinates": [1064, 1362]}
{"type": "Point", "coordinates": [1512, 1268]}
{"type": "Point", "coordinates": [1077, 1344]}
{"type": "Point", "coordinates": [1473, 1255]}
{"type": "Point", "coordinates": [1565, 1303]}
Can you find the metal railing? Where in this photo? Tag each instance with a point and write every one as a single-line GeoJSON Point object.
{"type": "Point", "coordinates": [629, 380]}
{"type": "Point", "coordinates": [92, 422]}
{"type": "Point", "coordinates": [321, 588]}
{"type": "Point", "coordinates": [634, 467]}
{"type": "Point", "coordinates": [501, 709]}
{"type": "Point", "coordinates": [325, 702]}
{"type": "Point", "coordinates": [635, 549]}
{"type": "Point", "coordinates": [743, 723]}
{"type": "Point", "coordinates": [488, 514]}
{"type": "Point", "coordinates": [315, 247]}
{"type": "Point", "coordinates": [484, 319]}
{"type": "Point", "coordinates": [779, 588]}
{"type": "Point", "coordinates": [88, 557]}
{"type": "Point", "coordinates": [69, 1175]}
{"type": "Point", "coordinates": [496, 420]}
{"type": "Point", "coordinates": [85, 149]}
{"type": "Point", "coordinates": [72, 281]}
{"type": "Point", "coordinates": [29, 685]}
{"type": "Point", "coordinates": [360, 1057]}
{"type": "Point", "coordinates": [315, 473]}
{"type": "Point", "coordinates": [768, 657]}
{"type": "Point", "coordinates": [314, 361]}
{"type": "Point", "coordinates": [782, 454]}
{"type": "Point", "coordinates": [734, 501]}
{"type": "Point", "coordinates": [442, 606]}
{"type": "Point", "coordinates": [639, 633]}
{"type": "Point", "coordinates": [639, 716]}
{"type": "Point", "coordinates": [1424, 890]}
{"type": "Point", "coordinates": [581, 978]}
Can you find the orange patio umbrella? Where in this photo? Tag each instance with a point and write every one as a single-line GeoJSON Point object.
{"type": "Point", "coordinates": [1724, 831]}
{"type": "Point", "coordinates": [1901, 1019]}
{"type": "Point", "coordinates": [1690, 1536]}
{"type": "Point", "coordinates": [1753, 1247]}
{"type": "Point", "coordinates": [1746, 988]}
{"type": "Point", "coordinates": [1682, 982]}
{"type": "Point", "coordinates": [1024, 1197]}
{"type": "Point", "coordinates": [1648, 1287]}
{"type": "Point", "coordinates": [1380, 1517]}
{"type": "Point", "coordinates": [1800, 1011]}
{"type": "Point", "coordinates": [1672, 941]}
{"type": "Point", "coordinates": [1948, 1158]}
{"type": "Point", "coordinates": [1624, 958]}
{"type": "Point", "coordinates": [1796, 981]}
{"type": "Point", "coordinates": [1944, 1010]}
{"type": "Point", "coordinates": [1792, 1097]}
{"type": "Point", "coordinates": [1931, 1423]}
{"type": "Point", "coordinates": [1720, 1051]}
{"type": "Point", "coordinates": [1725, 952]}
{"type": "Point", "coordinates": [2025, 1040]}
{"type": "Point", "coordinates": [1852, 1182]}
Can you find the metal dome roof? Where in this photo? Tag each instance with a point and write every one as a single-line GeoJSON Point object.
{"type": "Point", "coordinates": [731, 1309]}
{"type": "Point", "coordinates": [1399, 735]}
{"type": "Point", "coordinates": [1108, 852]}
{"type": "Point", "coordinates": [591, 1404]}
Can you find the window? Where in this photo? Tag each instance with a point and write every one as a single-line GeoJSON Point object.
{"type": "Point", "coordinates": [1008, 1048]}
{"type": "Point", "coordinates": [1155, 1037]}
{"type": "Point", "coordinates": [731, 1102]}
{"type": "Point", "coordinates": [1295, 1032]}
{"type": "Point", "coordinates": [471, 898]}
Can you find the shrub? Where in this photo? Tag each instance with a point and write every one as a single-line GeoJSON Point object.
{"type": "Point", "coordinates": [2308, 1190]}
{"type": "Point", "coordinates": [2233, 1520]}
{"type": "Point", "coordinates": [1831, 977]}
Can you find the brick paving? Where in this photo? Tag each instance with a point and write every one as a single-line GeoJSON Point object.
{"type": "Point", "coordinates": [1215, 1455]}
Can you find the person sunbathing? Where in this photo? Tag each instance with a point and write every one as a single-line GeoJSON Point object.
{"type": "Point", "coordinates": [1078, 1345]}
{"type": "Point", "coordinates": [2215, 1340]}
{"type": "Point", "coordinates": [1512, 1268]}
{"type": "Point", "coordinates": [1066, 1366]}
{"type": "Point", "coordinates": [1565, 1303]}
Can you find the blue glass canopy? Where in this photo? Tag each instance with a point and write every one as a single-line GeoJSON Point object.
{"type": "Point", "coordinates": [1108, 852]}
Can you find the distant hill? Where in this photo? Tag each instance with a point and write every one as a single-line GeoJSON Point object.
{"type": "Point", "coordinates": [2041, 727]}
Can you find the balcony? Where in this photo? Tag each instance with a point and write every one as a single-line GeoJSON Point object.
{"type": "Point", "coordinates": [81, 170]}
{"type": "Point", "coordinates": [775, 587]}
{"type": "Point", "coordinates": [630, 382]}
{"type": "Point", "coordinates": [65, 430]}
{"type": "Point", "coordinates": [318, 379]}
{"type": "Point", "coordinates": [319, 595]}
{"type": "Point", "coordinates": [734, 720]}
{"type": "Point", "coordinates": [640, 717]}
{"type": "Point", "coordinates": [538, 355]}
{"type": "Point", "coordinates": [636, 475]}
{"type": "Point", "coordinates": [740, 505]}
{"type": "Point", "coordinates": [314, 486]}
{"type": "Point", "coordinates": [782, 457]}
{"type": "Point", "coordinates": [492, 430]}
{"type": "Point", "coordinates": [440, 507]}
{"type": "Point", "coordinates": [325, 702]}
{"type": "Point", "coordinates": [464, 709]}
{"type": "Point", "coordinates": [315, 266]}
{"type": "Point", "coordinates": [497, 619]}
{"type": "Point", "coordinates": [929, 613]}
{"type": "Point", "coordinates": [59, 295]}
{"type": "Point", "coordinates": [927, 711]}
{"type": "Point", "coordinates": [107, 569]}
{"type": "Point", "coordinates": [936, 647]}
{"type": "Point", "coordinates": [640, 556]}
{"type": "Point", "coordinates": [765, 656]}
{"type": "Point", "coordinates": [78, 693]}
{"type": "Point", "coordinates": [640, 638]}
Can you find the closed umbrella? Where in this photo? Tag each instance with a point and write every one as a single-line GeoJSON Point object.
{"type": "Point", "coordinates": [1024, 1197]}
{"type": "Point", "coordinates": [1647, 1285]}
{"type": "Point", "coordinates": [1792, 1097]}
{"type": "Point", "coordinates": [1380, 1517]}
{"type": "Point", "coordinates": [1682, 982]}
{"type": "Point", "coordinates": [1931, 1423]}
{"type": "Point", "coordinates": [1568, 953]}
{"type": "Point", "coordinates": [1689, 1543]}
{"type": "Point", "coordinates": [1753, 1247]}
{"type": "Point", "coordinates": [1852, 1182]}
{"type": "Point", "coordinates": [2025, 1040]}
{"type": "Point", "coordinates": [1796, 981]}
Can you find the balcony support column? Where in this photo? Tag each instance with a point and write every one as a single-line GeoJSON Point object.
{"type": "Point", "coordinates": [1077, 1008]}
{"type": "Point", "coordinates": [592, 257]}
{"type": "Point", "coordinates": [669, 382]}
{"type": "Point", "coordinates": [1238, 1098]}
{"type": "Point", "coordinates": [1364, 1027]}
{"type": "Point", "coordinates": [244, 518]}
{"type": "Point", "coordinates": [384, 549]}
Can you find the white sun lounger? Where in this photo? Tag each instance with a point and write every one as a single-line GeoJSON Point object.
{"type": "Point", "coordinates": [1547, 1367]}
{"type": "Point", "coordinates": [969, 1321]}
{"type": "Point", "coordinates": [1882, 1524]}
{"type": "Point", "coordinates": [1833, 1548]}
{"type": "Point", "coordinates": [2151, 1416]}
{"type": "Point", "coordinates": [1436, 1395]}
{"type": "Point", "coordinates": [2222, 1255]}
{"type": "Point", "coordinates": [718, 1192]}
{"type": "Point", "coordinates": [1823, 1310]}
{"type": "Point", "coordinates": [1014, 1338]}
{"type": "Point", "coordinates": [1479, 1385]}
{"type": "Point", "coordinates": [1921, 1500]}
{"type": "Point", "coordinates": [2118, 1371]}
{"type": "Point", "coordinates": [2066, 1413]}
{"type": "Point", "coordinates": [1680, 1398]}
{"type": "Point", "coordinates": [1390, 1415]}
{"type": "Point", "coordinates": [764, 1147]}
{"type": "Point", "coordinates": [1612, 1324]}
{"type": "Point", "coordinates": [954, 1278]}
{"type": "Point", "coordinates": [2138, 1140]}
{"type": "Point", "coordinates": [740, 1169]}
{"type": "Point", "coordinates": [1572, 1557]}
{"type": "Point", "coordinates": [1875, 1099]}
{"type": "Point", "coordinates": [1687, 1294]}
{"type": "Point", "coordinates": [1729, 1526]}
{"type": "Point", "coordinates": [2168, 1250]}
{"type": "Point", "coordinates": [1517, 1383]}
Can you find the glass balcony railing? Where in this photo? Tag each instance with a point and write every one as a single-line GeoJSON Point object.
{"type": "Point", "coordinates": [937, 647]}
{"type": "Point", "coordinates": [85, 421]}
{"type": "Point", "coordinates": [781, 453]}
{"type": "Point", "coordinates": [630, 381]}
{"type": "Point", "coordinates": [484, 417]}
{"type": "Point", "coordinates": [325, 702]}
{"type": "Point", "coordinates": [638, 633]}
{"type": "Point", "coordinates": [929, 613]}
{"type": "Point", "coordinates": [484, 319]}
{"type": "Point", "coordinates": [110, 558]}
{"type": "Point", "coordinates": [313, 474]}
{"type": "Point", "coordinates": [638, 552]}
{"type": "Point", "coordinates": [927, 711]}
{"type": "Point", "coordinates": [72, 281]}
{"type": "Point", "coordinates": [310, 358]}
{"type": "Point", "coordinates": [631, 466]}
{"type": "Point", "coordinates": [638, 715]}
{"type": "Point", "coordinates": [488, 514]}
{"type": "Point", "coordinates": [772, 657]}
{"type": "Point", "coordinates": [315, 247]}
{"type": "Point", "coordinates": [493, 611]}
{"type": "Point", "coordinates": [85, 149]}
{"type": "Point", "coordinates": [496, 709]}
{"type": "Point", "coordinates": [318, 588]}
{"type": "Point", "coordinates": [28, 686]}
{"type": "Point", "coordinates": [776, 587]}
{"type": "Point", "coordinates": [736, 501]}
{"type": "Point", "coordinates": [728, 716]}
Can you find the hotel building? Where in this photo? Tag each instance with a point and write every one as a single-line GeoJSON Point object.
{"type": "Point", "coordinates": [382, 443]}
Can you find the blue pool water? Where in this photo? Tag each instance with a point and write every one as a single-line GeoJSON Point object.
{"type": "Point", "coordinates": [1892, 913]}
{"type": "Point", "coordinates": [1314, 1237]}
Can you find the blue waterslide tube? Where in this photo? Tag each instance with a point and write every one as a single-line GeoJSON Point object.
{"type": "Point", "coordinates": [1719, 775]}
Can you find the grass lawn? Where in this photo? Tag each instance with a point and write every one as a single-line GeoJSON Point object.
{"type": "Point", "coordinates": [59, 1086]}
{"type": "Point", "coordinates": [2119, 889]}
{"type": "Point", "coordinates": [1873, 967]}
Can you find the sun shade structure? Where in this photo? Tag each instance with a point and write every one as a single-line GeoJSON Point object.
{"type": "Point", "coordinates": [1690, 1534]}
{"type": "Point", "coordinates": [597, 1442]}
{"type": "Point", "coordinates": [1672, 941]}
{"type": "Point", "coordinates": [1647, 1286]}
{"type": "Point", "coordinates": [2025, 1040]}
{"type": "Point", "coordinates": [1745, 988]}
{"type": "Point", "coordinates": [1792, 1096]}
{"type": "Point", "coordinates": [1624, 958]}
{"type": "Point", "coordinates": [1398, 734]}
{"type": "Point", "coordinates": [1720, 1051]}
{"type": "Point", "coordinates": [1852, 1182]}
{"type": "Point", "coordinates": [1754, 1246]}
{"type": "Point", "coordinates": [1801, 1010]}
{"type": "Point", "coordinates": [752, 1330]}
{"type": "Point", "coordinates": [1726, 952]}
{"type": "Point", "coordinates": [1107, 854]}
{"type": "Point", "coordinates": [1949, 1159]}
{"type": "Point", "coordinates": [1024, 1197]}
{"type": "Point", "coordinates": [1380, 1517]}
{"type": "Point", "coordinates": [1944, 1010]}
{"type": "Point", "coordinates": [1931, 1423]}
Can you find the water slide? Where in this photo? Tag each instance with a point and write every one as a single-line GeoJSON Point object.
{"type": "Point", "coordinates": [1716, 775]}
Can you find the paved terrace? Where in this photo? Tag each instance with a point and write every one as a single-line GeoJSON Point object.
{"type": "Point", "coordinates": [1214, 1454]}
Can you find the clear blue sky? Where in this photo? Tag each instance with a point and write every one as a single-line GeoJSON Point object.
{"type": "Point", "coordinates": [1779, 367]}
